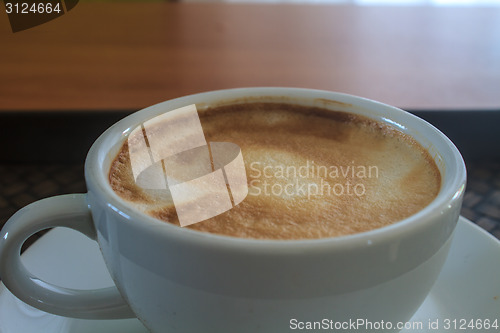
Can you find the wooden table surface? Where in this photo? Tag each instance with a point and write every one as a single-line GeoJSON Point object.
{"type": "Point", "coordinates": [115, 56]}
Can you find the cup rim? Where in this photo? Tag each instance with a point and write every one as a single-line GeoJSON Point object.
{"type": "Point", "coordinates": [97, 182]}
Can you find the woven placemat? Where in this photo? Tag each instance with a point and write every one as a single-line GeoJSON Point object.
{"type": "Point", "coordinates": [21, 184]}
{"type": "Point", "coordinates": [482, 196]}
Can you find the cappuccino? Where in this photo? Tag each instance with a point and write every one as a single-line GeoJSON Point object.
{"type": "Point", "coordinates": [311, 173]}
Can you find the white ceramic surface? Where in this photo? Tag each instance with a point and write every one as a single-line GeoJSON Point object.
{"type": "Point", "coordinates": [188, 281]}
{"type": "Point", "coordinates": [468, 286]}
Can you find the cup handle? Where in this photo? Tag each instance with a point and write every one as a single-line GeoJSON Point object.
{"type": "Point", "coordinates": [70, 211]}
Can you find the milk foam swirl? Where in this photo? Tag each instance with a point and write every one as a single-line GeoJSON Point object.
{"type": "Point", "coordinates": [385, 175]}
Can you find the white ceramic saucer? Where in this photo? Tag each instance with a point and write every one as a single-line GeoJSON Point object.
{"type": "Point", "coordinates": [468, 287]}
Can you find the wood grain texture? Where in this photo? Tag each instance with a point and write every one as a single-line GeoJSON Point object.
{"type": "Point", "coordinates": [132, 55]}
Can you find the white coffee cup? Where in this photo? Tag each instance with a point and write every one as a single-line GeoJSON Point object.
{"type": "Point", "coordinates": [180, 280]}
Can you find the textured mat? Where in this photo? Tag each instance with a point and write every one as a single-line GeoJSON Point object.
{"type": "Point", "coordinates": [21, 184]}
{"type": "Point", "coordinates": [482, 196]}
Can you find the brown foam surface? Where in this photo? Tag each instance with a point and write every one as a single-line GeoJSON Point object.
{"type": "Point", "coordinates": [311, 173]}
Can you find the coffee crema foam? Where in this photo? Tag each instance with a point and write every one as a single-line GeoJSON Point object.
{"type": "Point", "coordinates": [297, 160]}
